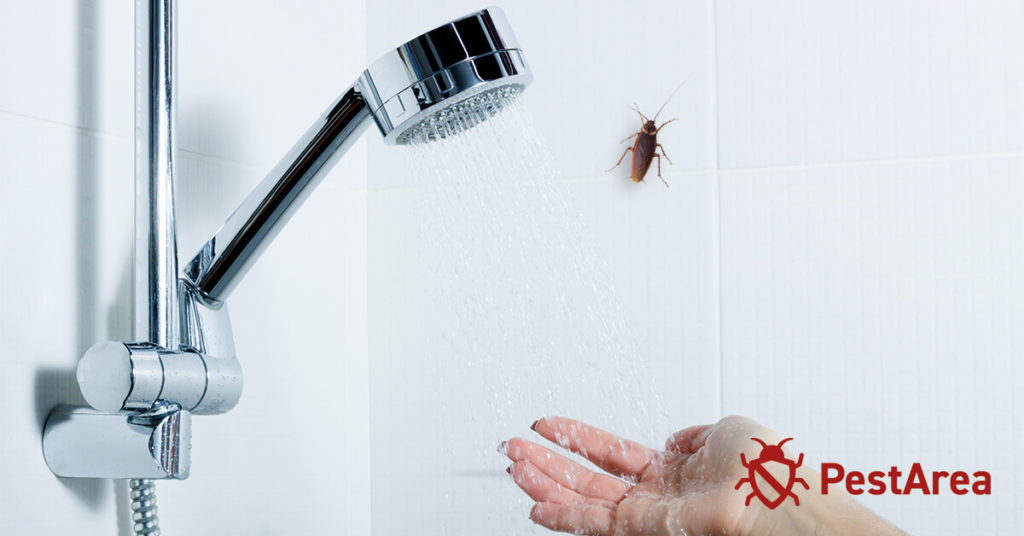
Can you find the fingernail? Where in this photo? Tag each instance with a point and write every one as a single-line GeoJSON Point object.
{"type": "Point", "coordinates": [508, 469]}
{"type": "Point", "coordinates": [503, 447]}
{"type": "Point", "coordinates": [534, 425]}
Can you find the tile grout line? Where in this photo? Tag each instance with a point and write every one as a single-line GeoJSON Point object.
{"type": "Point", "coordinates": [110, 136]}
{"type": "Point", "coordinates": [891, 161]}
{"type": "Point", "coordinates": [716, 230]}
{"type": "Point", "coordinates": [102, 134]}
{"type": "Point", "coordinates": [365, 281]}
{"type": "Point", "coordinates": [718, 171]}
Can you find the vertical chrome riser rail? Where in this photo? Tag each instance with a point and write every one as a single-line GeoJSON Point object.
{"type": "Point", "coordinates": [156, 252]}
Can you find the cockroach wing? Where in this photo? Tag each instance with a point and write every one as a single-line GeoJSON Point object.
{"type": "Point", "coordinates": [643, 153]}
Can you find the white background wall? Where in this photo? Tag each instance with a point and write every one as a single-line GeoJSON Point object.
{"type": "Point", "coordinates": [839, 255]}
{"type": "Point", "coordinates": [290, 458]}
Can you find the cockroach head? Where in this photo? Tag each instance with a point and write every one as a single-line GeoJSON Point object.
{"type": "Point", "coordinates": [446, 80]}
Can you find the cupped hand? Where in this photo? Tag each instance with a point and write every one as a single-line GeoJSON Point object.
{"type": "Point", "coordinates": [688, 488]}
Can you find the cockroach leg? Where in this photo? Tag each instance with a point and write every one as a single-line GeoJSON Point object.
{"type": "Point", "coordinates": [659, 169]}
{"type": "Point", "coordinates": [663, 153]}
{"type": "Point", "coordinates": [665, 123]}
{"type": "Point", "coordinates": [628, 149]}
{"type": "Point", "coordinates": [630, 137]}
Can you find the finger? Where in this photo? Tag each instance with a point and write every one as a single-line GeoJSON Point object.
{"type": "Point", "coordinates": [609, 452]}
{"type": "Point", "coordinates": [542, 488]}
{"type": "Point", "coordinates": [582, 519]}
{"type": "Point", "coordinates": [689, 440]}
{"type": "Point", "coordinates": [567, 472]}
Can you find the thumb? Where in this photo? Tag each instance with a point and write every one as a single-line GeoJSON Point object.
{"type": "Point", "coordinates": [687, 441]}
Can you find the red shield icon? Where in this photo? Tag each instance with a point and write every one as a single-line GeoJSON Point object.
{"type": "Point", "coordinates": [762, 475]}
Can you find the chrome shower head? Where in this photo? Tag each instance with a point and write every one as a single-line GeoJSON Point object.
{"type": "Point", "coordinates": [439, 84]}
{"type": "Point", "coordinates": [446, 80]}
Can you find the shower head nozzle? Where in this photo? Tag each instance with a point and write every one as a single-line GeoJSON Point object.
{"type": "Point", "coordinates": [446, 80]}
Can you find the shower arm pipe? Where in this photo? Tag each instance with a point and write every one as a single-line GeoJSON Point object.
{"type": "Point", "coordinates": [155, 245]}
{"type": "Point", "coordinates": [224, 259]}
{"type": "Point", "coordinates": [418, 81]}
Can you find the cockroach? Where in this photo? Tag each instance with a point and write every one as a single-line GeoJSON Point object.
{"type": "Point", "coordinates": [645, 147]}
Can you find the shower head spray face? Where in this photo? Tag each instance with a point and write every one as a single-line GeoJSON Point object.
{"type": "Point", "coordinates": [446, 80]}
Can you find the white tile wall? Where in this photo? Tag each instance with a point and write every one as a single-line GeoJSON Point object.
{"type": "Point", "coordinates": [63, 263]}
{"type": "Point", "coordinates": [871, 311]}
{"type": "Point", "coordinates": [870, 171]}
{"type": "Point", "coordinates": [801, 81]}
{"type": "Point", "coordinates": [255, 75]}
{"type": "Point", "coordinates": [69, 62]}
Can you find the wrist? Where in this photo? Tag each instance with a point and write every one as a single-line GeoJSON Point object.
{"type": "Point", "coordinates": [835, 514]}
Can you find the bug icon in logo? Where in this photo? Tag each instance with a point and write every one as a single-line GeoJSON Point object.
{"type": "Point", "coordinates": [777, 491]}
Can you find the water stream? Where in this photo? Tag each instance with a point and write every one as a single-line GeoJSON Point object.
{"type": "Point", "coordinates": [524, 320]}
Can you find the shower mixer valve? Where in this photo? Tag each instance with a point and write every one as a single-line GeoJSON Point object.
{"type": "Point", "coordinates": [201, 376]}
{"type": "Point", "coordinates": [143, 397]}
{"type": "Point", "coordinates": [117, 376]}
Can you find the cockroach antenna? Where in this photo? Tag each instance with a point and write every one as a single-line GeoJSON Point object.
{"type": "Point", "coordinates": [680, 86]}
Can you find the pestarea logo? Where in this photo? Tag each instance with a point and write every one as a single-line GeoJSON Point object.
{"type": "Point", "coordinates": [759, 467]}
{"type": "Point", "coordinates": [773, 478]}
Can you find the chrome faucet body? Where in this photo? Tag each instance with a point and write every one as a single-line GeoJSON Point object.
{"type": "Point", "coordinates": [144, 393]}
